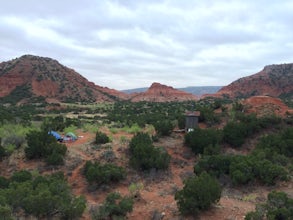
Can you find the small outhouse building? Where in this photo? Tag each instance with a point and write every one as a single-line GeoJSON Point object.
{"type": "Point", "coordinates": [191, 120]}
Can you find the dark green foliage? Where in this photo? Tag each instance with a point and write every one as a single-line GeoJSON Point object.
{"type": "Point", "coordinates": [4, 182]}
{"type": "Point", "coordinates": [19, 93]}
{"type": "Point", "coordinates": [207, 115]}
{"type": "Point", "coordinates": [6, 212]}
{"type": "Point", "coordinates": [242, 169]}
{"type": "Point", "coordinates": [234, 133]}
{"type": "Point", "coordinates": [103, 174]}
{"type": "Point", "coordinates": [199, 139]}
{"type": "Point", "coordinates": [2, 151]}
{"type": "Point", "coordinates": [215, 165]}
{"type": "Point", "coordinates": [138, 139]}
{"type": "Point", "coordinates": [55, 159]}
{"type": "Point", "coordinates": [101, 138]}
{"type": "Point", "coordinates": [164, 128]}
{"type": "Point", "coordinates": [41, 197]}
{"type": "Point", "coordinates": [59, 123]}
{"type": "Point", "coordinates": [114, 207]}
{"type": "Point", "coordinates": [278, 206]}
{"type": "Point", "coordinates": [198, 194]}
{"type": "Point", "coordinates": [145, 156]}
{"type": "Point", "coordinates": [21, 176]}
{"type": "Point", "coordinates": [280, 143]}
{"type": "Point", "coordinates": [142, 113]}
{"type": "Point", "coordinates": [43, 145]}
{"type": "Point", "coordinates": [181, 121]}
{"type": "Point", "coordinates": [16, 114]}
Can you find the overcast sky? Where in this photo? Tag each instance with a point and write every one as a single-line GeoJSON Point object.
{"type": "Point", "coordinates": [125, 44]}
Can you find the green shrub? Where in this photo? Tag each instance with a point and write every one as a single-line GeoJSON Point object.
{"type": "Point", "coordinates": [114, 207]}
{"type": "Point", "coordinates": [21, 176]}
{"type": "Point", "coordinates": [4, 182]}
{"type": "Point", "coordinates": [198, 194]}
{"type": "Point", "coordinates": [215, 165]}
{"type": "Point", "coordinates": [101, 138]}
{"type": "Point", "coordinates": [2, 151]}
{"type": "Point", "coordinates": [163, 128]}
{"type": "Point", "coordinates": [41, 196]}
{"type": "Point", "coordinates": [103, 174]}
{"type": "Point", "coordinates": [199, 139]}
{"type": "Point", "coordinates": [145, 156]}
{"type": "Point", "coordinates": [234, 133]}
{"type": "Point", "coordinates": [277, 206]}
{"type": "Point", "coordinates": [43, 145]}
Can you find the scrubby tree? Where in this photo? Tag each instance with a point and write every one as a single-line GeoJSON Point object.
{"type": "Point", "coordinates": [2, 150]}
{"type": "Point", "coordinates": [278, 206]}
{"type": "Point", "coordinates": [42, 145]}
{"type": "Point", "coordinates": [163, 127]}
{"type": "Point", "coordinates": [198, 194]}
{"type": "Point", "coordinates": [144, 156]}
{"type": "Point", "coordinates": [103, 173]}
{"type": "Point", "coordinates": [114, 207]}
{"type": "Point", "coordinates": [101, 138]}
{"type": "Point", "coordinates": [234, 133]}
{"type": "Point", "coordinates": [41, 196]}
{"type": "Point", "coordinates": [199, 139]}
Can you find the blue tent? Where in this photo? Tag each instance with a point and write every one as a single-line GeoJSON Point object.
{"type": "Point", "coordinates": [56, 135]}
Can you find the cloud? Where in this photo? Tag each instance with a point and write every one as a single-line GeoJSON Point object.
{"type": "Point", "coordinates": [127, 43]}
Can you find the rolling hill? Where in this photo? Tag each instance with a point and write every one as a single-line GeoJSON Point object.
{"type": "Point", "coordinates": [273, 80]}
{"type": "Point", "coordinates": [32, 78]}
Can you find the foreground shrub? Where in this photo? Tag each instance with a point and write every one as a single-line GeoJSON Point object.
{"type": "Point", "coordinates": [145, 156]}
{"type": "Point", "coordinates": [199, 139]}
{"type": "Point", "coordinates": [242, 169]}
{"type": "Point", "coordinates": [198, 194]}
{"type": "Point", "coordinates": [103, 173]}
{"type": "Point", "coordinates": [101, 138]}
{"type": "Point", "coordinates": [114, 207]}
{"type": "Point", "coordinates": [163, 128]}
{"type": "Point", "coordinates": [277, 206]}
{"type": "Point", "coordinates": [41, 196]}
{"type": "Point", "coordinates": [2, 151]}
{"type": "Point", "coordinates": [42, 145]}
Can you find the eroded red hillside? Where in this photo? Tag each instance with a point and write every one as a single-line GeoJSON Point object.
{"type": "Point", "coordinates": [162, 93]}
{"type": "Point", "coordinates": [39, 76]}
{"type": "Point", "coordinates": [265, 105]}
{"type": "Point", "coordinates": [273, 80]}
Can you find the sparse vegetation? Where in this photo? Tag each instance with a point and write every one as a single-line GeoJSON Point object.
{"type": "Point", "coordinates": [261, 156]}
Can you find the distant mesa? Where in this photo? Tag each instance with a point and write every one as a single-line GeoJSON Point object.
{"type": "Point", "coordinates": [162, 93]}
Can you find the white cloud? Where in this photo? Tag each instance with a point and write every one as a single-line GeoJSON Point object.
{"type": "Point", "coordinates": [127, 43]}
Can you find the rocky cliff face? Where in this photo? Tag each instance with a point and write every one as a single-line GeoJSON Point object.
{"type": "Point", "coordinates": [273, 80]}
{"type": "Point", "coordinates": [162, 93]}
{"type": "Point", "coordinates": [33, 76]}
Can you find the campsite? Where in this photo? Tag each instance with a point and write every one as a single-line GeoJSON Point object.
{"type": "Point", "coordinates": [103, 155]}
